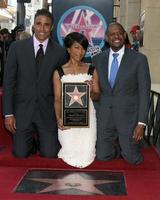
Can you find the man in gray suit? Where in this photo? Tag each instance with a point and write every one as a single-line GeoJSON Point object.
{"type": "Point", "coordinates": [123, 108]}
{"type": "Point", "coordinates": [28, 101]}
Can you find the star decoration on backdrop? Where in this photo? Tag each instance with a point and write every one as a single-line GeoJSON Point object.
{"type": "Point", "coordinates": [76, 96]}
{"type": "Point", "coordinates": [72, 181]}
{"type": "Point", "coordinates": [82, 25]}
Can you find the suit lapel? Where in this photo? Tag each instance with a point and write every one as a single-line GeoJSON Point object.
{"type": "Point", "coordinates": [31, 55]}
{"type": "Point", "coordinates": [105, 66]}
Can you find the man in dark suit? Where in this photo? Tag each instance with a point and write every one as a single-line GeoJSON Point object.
{"type": "Point", "coordinates": [28, 101]}
{"type": "Point", "coordinates": [123, 108]}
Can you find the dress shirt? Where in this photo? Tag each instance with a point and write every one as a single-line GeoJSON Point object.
{"type": "Point", "coordinates": [119, 58]}
{"type": "Point", "coordinates": [36, 44]}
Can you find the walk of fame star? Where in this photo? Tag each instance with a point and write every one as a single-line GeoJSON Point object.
{"type": "Point", "coordinates": [71, 181]}
{"type": "Point", "coordinates": [76, 96]}
{"type": "Point", "coordinates": [61, 182]}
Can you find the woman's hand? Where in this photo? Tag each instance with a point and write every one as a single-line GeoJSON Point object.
{"type": "Point", "coordinates": [60, 125]}
{"type": "Point", "coordinates": [94, 89]}
{"type": "Point", "coordinates": [90, 83]}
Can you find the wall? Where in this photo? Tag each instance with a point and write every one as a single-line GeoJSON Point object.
{"type": "Point", "coordinates": [130, 12]}
{"type": "Point", "coordinates": [152, 36]}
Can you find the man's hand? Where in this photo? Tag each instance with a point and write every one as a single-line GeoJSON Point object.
{"type": "Point", "coordinates": [10, 123]}
{"type": "Point", "coordinates": [139, 132]}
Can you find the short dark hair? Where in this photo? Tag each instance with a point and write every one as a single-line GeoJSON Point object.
{"type": "Point", "coordinates": [115, 23]}
{"type": "Point", "coordinates": [44, 12]}
{"type": "Point", "coordinates": [76, 37]}
{"type": "Point", "coordinates": [4, 31]}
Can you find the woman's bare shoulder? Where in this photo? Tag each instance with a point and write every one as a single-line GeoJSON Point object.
{"type": "Point", "coordinates": [85, 66]}
{"type": "Point", "coordinates": [66, 65]}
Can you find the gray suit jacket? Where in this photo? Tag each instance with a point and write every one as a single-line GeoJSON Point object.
{"type": "Point", "coordinates": [128, 101]}
{"type": "Point", "coordinates": [23, 90]}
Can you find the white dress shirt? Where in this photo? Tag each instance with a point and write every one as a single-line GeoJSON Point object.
{"type": "Point", "coordinates": [36, 44]}
{"type": "Point", "coordinates": [119, 58]}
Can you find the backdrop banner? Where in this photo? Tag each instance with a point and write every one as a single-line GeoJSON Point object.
{"type": "Point", "coordinates": [90, 17]}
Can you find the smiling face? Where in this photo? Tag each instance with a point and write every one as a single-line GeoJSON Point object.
{"type": "Point", "coordinates": [116, 37]}
{"type": "Point", "coordinates": [76, 51]}
{"type": "Point", "coordinates": [42, 27]}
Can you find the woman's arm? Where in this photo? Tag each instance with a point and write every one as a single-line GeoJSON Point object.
{"type": "Point", "coordinates": [57, 98]}
{"type": "Point", "coordinates": [94, 87]}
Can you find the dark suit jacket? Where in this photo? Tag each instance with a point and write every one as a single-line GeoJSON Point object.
{"type": "Point", "coordinates": [128, 101]}
{"type": "Point", "coordinates": [23, 90]}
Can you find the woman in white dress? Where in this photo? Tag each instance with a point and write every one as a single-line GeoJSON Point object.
{"type": "Point", "coordinates": [77, 144]}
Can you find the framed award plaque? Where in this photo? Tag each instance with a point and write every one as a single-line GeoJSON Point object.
{"type": "Point", "coordinates": [75, 104]}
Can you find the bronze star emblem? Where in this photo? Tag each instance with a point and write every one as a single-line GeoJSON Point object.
{"type": "Point", "coordinates": [76, 96]}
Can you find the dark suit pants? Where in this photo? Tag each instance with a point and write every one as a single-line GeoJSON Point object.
{"type": "Point", "coordinates": [23, 140]}
{"type": "Point", "coordinates": [111, 144]}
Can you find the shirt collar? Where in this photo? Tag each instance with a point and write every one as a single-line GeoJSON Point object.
{"type": "Point", "coordinates": [36, 42]}
{"type": "Point", "coordinates": [120, 52]}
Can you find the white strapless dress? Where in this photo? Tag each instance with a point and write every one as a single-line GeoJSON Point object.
{"type": "Point", "coordinates": [78, 144]}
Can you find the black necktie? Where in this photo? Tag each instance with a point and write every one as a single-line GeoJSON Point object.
{"type": "Point", "coordinates": [39, 57]}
